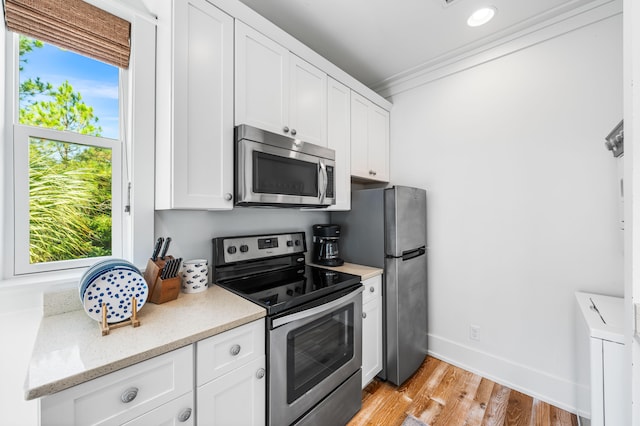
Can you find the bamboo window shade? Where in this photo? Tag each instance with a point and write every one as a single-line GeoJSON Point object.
{"type": "Point", "coordinates": [73, 25]}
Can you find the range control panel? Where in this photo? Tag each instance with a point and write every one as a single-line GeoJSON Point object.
{"type": "Point", "coordinates": [240, 249]}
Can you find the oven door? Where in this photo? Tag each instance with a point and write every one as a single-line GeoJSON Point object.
{"type": "Point", "coordinates": [311, 353]}
{"type": "Point", "coordinates": [269, 175]}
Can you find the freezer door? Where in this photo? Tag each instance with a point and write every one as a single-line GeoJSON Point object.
{"type": "Point", "coordinates": [405, 315]}
{"type": "Point", "coordinates": [405, 219]}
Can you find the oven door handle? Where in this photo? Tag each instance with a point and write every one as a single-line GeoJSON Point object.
{"type": "Point", "coordinates": [327, 307]}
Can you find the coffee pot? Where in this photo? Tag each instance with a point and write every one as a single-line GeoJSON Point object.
{"type": "Point", "coordinates": [325, 245]}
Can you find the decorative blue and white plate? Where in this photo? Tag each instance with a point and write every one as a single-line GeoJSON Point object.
{"type": "Point", "coordinates": [99, 268]}
{"type": "Point", "coordinates": [115, 287]}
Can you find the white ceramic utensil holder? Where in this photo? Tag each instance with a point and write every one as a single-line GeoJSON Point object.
{"type": "Point", "coordinates": [195, 275]}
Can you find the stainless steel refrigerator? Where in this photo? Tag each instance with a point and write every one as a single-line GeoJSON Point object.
{"type": "Point", "coordinates": [386, 228]}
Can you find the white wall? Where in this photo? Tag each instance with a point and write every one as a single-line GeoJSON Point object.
{"type": "Point", "coordinates": [522, 203]}
{"type": "Point", "coordinates": [191, 231]}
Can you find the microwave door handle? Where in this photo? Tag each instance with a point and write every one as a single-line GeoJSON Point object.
{"type": "Point", "coordinates": [325, 181]}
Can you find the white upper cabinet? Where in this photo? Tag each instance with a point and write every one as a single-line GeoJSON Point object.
{"type": "Point", "coordinates": [369, 140]}
{"type": "Point", "coordinates": [308, 106]}
{"type": "Point", "coordinates": [339, 139]}
{"type": "Point", "coordinates": [276, 90]}
{"type": "Point", "coordinates": [194, 154]}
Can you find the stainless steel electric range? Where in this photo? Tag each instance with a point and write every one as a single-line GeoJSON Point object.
{"type": "Point", "coordinates": [314, 326]}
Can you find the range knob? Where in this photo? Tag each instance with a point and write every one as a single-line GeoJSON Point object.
{"type": "Point", "coordinates": [289, 243]}
{"type": "Point", "coordinates": [244, 248]}
{"type": "Point", "coordinates": [297, 242]}
{"type": "Point", "coordinates": [231, 249]}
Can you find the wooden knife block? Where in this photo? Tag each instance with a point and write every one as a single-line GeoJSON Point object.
{"type": "Point", "coordinates": [160, 291]}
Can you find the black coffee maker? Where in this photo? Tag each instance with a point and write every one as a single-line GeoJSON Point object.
{"type": "Point", "coordinates": [325, 245]}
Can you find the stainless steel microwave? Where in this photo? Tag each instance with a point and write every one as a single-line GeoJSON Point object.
{"type": "Point", "coordinates": [276, 170]}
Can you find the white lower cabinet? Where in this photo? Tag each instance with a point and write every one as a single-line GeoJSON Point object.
{"type": "Point", "coordinates": [237, 398]}
{"type": "Point", "coordinates": [124, 395]}
{"type": "Point", "coordinates": [371, 329]}
{"type": "Point", "coordinates": [231, 377]}
{"type": "Point", "coordinates": [226, 381]}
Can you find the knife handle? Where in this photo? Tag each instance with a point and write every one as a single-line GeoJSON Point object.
{"type": "Point", "coordinates": [156, 249]}
{"type": "Point", "coordinates": [165, 248]}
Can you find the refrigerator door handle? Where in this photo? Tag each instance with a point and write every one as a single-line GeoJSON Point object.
{"type": "Point", "coordinates": [413, 253]}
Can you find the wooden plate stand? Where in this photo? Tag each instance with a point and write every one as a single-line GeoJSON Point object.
{"type": "Point", "coordinates": [133, 321]}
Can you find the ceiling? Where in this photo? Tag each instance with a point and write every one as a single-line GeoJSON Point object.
{"type": "Point", "coordinates": [377, 41]}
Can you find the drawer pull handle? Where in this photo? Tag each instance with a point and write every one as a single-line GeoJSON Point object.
{"type": "Point", "coordinates": [235, 350]}
{"type": "Point", "coordinates": [364, 315]}
{"type": "Point", "coordinates": [129, 395]}
{"type": "Point", "coordinates": [260, 373]}
{"type": "Point", "coordinates": [371, 289]}
{"type": "Point", "coordinates": [184, 415]}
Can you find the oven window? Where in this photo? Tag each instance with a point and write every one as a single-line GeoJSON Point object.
{"type": "Point", "coordinates": [273, 174]}
{"type": "Point", "coordinates": [316, 350]}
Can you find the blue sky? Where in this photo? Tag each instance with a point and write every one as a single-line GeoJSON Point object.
{"type": "Point", "coordinates": [96, 81]}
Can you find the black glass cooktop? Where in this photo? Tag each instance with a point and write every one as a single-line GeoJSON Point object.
{"type": "Point", "coordinates": [285, 289]}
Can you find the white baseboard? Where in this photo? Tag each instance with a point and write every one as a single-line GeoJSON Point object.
{"type": "Point", "coordinates": [530, 381]}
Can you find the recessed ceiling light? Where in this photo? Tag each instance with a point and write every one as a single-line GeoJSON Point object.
{"type": "Point", "coordinates": [481, 16]}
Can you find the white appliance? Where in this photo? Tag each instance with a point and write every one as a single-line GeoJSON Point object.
{"type": "Point", "coordinates": [601, 361]}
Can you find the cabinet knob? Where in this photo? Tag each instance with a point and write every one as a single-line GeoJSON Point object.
{"type": "Point", "coordinates": [293, 132]}
{"type": "Point", "coordinates": [285, 129]}
{"type": "Point", "coordinates": [371, 289]}
{"type": "Point", "coordinates": [129, 395]}
{"type": "Point", "coordinates": [260, 373]}
{"type": "Point", "coordinates": [364, 315]}
{"type": "Point", "coordinates": [228, 196]}
{"type": "Point", "coordinates": [184, 415]}
{"type": "Point", "coordinates": [235, 350]}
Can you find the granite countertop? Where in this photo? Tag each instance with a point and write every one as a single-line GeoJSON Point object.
{"type": "Point", "coordinates": [365, 272]}
{"type": "Point", "coordinates": [70, 349]}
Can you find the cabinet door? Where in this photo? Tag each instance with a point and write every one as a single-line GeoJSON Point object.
{"type": "Point", "coordinates": [379, 143]}
{"type": "Point", "coordinates": [262, 81]}
{"type": "Point", "coordinates": [308, 102]}
{"type": "Point", "coordinates": [339, 139]}
{"type": "Point", "coordinates": [178, 412]}
{"type": "Point", "coordinates": [201, 147]}
{"type": "Point", "coordinates": [371, 329]}
{"type": "Point", "coordinates": [359, 136]}
{"type": "Point", "coordinates": [614, 373]}
{"type": "Point", "coordinates": [237, 398]}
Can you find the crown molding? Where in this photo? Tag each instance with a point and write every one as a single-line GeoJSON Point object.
{"type": "Point", "coordinates": [447, 65]}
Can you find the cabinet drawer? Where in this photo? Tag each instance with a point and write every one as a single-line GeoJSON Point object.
{"type": "Point", "coordinates": [226, 351]}
{"type": "Point", "coordinates": [124, 394]}
{"type": "Point", "coordinates": [372, 288]}
{"type": "Point", "coordinates": [173, 413]}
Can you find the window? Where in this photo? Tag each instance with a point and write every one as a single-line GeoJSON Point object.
{"type": "Point", "coordinates": [67, 159]}
{"type": "Point", "coordinates": [109, 159]}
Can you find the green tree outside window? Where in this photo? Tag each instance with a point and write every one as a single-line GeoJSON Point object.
{"type": "Point", "coordinates": [69, 184]}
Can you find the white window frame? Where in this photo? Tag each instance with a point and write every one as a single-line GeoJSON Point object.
{"type": "Point", "coordinates": [21, 136]}
{"type": "Point", "coordinates": [137, 86]}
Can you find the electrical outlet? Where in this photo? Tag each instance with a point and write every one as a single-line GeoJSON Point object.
{"type": "Point", "coordinates": [474, 332]}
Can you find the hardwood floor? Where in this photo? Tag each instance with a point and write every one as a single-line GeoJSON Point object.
{"type": "Point", "coordinates": [442, 394]}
